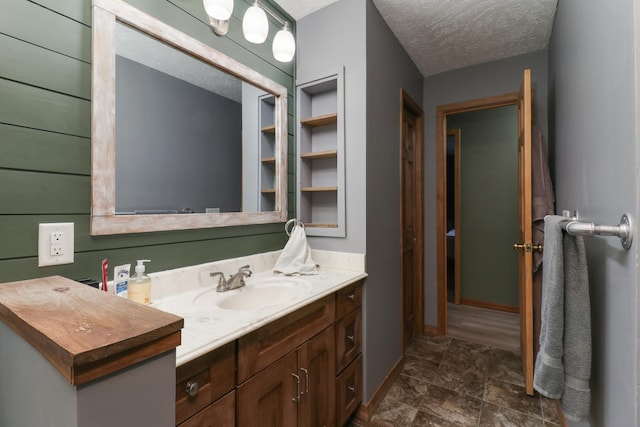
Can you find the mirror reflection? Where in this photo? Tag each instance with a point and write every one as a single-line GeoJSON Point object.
{"type": "Point", "coordinates": [189, 138]}
{"type": "Point", "coordinates": [183, 136]}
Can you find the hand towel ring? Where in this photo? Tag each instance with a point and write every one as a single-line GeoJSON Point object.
{"type": "Point", "coordinates": [295, 222]}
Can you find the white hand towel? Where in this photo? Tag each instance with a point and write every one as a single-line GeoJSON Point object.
{"type": "Point", "coordinates": [296, 255]}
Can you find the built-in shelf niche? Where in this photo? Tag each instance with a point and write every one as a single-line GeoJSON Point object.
{"type": "Point", "coordinates": [320, 155]}
{"type": "Point", "coordinates": [267, 140]}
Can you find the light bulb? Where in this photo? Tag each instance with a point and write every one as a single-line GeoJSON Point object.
{"type": "Point", "coordinates": [255, 25]}
{"type": "Point", "coordinates": [284, 45]}
{"type": "Point", "coordinates": [218, 9]}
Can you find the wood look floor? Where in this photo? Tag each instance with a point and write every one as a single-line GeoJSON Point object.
{"type": "Point", "coordinates": [483, 326]}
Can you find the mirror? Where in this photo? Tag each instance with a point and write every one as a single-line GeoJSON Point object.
{"type": "Point", "coordinates": [182, 136]}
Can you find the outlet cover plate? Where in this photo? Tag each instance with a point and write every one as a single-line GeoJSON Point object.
{"type": "Point", "coordinates": [45, 252]}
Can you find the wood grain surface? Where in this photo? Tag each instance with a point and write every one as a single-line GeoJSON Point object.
{"type": "Point", "coordinates": [83, 332]}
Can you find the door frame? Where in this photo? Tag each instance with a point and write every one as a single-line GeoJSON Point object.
{"type": "Point", "coordinates": [418, 266]}
{"type": "Point", "coordinates": [442, 111]}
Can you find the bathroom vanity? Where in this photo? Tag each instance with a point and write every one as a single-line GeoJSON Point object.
{"type": "Point", "coordinates": [281, 348]}
{"type": "Point", "coordinates": [296, 360]}
{"type": "Point", "coordinates": [303, 369]}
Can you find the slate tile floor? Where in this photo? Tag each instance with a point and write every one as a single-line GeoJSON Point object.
{"type": "Point", "coordinates": [448, 382]}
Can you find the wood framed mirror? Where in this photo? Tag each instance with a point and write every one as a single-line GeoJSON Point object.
{"type": "Point", "coordinates": [148, 171]}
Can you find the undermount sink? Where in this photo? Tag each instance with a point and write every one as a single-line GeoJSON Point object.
{"type": "Point", "coordinates": [258, 293]}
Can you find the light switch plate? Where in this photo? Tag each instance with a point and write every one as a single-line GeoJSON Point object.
{"type": "Point", "coordinates": [55, 244]}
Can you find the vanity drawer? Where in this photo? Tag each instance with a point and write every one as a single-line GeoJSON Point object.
{"type": "Point", "coordinates": [348, 299]}
{"type": "Point", "coordinates": [212, 375]}
{"type": "Point", "coordinates": [348, 338]}
{"type": "Point", "coordinates": [261, 348]}
{"type": "Point", "coordinates": [349, 390]}
{"type": "Point", "coordinates": [220, 413]}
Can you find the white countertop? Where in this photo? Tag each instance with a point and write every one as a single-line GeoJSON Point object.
{"type": "Point", "coordinates": [207, 326]}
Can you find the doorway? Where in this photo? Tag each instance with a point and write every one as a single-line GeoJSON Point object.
{"type": "Point", "coordinates": [444, 219]}
{"type": "Point", "coordinates": [411, 218]}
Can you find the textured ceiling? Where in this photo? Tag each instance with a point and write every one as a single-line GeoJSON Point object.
{"type": "Point", "coordinates": [443, 35]}
{"type": "Point", "coordinates": [136, 46]}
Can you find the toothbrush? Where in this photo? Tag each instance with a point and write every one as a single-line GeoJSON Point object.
{"type": "Point", "coordinates": [105, 275]}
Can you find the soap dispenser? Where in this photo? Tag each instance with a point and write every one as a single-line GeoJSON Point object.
{"type": "Point", "coordinates": [140, 285]}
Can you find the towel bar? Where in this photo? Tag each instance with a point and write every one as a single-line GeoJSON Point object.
{"type": "Point", "coordinates": [624, 230]}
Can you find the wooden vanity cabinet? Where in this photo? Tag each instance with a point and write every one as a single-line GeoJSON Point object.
{"type": "Point", "coordinates": [304, 369]}
{"type": "Point", "coordinates": [298, 388]}
{"type": "Point", "coordinates": [205, 389]}
{"type": "Point", "coordinates": [348, 351]}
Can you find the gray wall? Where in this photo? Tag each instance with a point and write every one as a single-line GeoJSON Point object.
{"type": "Point", "coordinates": [336, 36]}
{"type": "Point", "coordinates": [488, 204]}
{"type": "Point", "coordinates": [479, 81]}
{"type": "Point", "coordinates": [177, 145]}
{"type": "Point", "coordinates": [328, 39]}
{"type": "Point", "coordinates": [34, 393]}
{"type": "Point", "coordinates": [593, 86]}
{"type": "Point", "coordinates": [389, 69]}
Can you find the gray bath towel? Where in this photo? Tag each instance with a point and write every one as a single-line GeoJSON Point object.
{"type": "Point", "coordinates": [563, 365]}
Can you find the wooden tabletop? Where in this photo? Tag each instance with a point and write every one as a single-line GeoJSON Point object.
{"type": "Point", "coordinates": [83, 332]}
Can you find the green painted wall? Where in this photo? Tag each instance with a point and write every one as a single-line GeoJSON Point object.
{"type": "Point", "coordinates": [45, 138]}
{"type": "Point", "coordinates": [489, 204]}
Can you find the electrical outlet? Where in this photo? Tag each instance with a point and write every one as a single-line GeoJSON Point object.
{"type": "Point", "coordinates": [55, 244]}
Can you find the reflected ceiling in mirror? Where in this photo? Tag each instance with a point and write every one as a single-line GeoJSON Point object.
{"type": "Point", "coordinates": [183, 136]}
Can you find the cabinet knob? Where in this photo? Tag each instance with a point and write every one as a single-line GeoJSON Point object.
{"type": "Point", "coordinates": [351, 338]}
{"type": "Point", "coordinates": [192, 388]}
{"type": "Point", "coordinates": [352, 389]}
{"type": "Point", "coordinates": [351, 296]}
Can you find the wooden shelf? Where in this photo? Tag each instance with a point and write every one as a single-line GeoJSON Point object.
{"type": "Point", "coordinates": [269, 129]}
{"type": "Point", "coordinates": [329, 154]}
{"type": "Point", "coordinates": [317, 189]}
{"type": "Point", "coordinates": [268, 191]}
{"type": "Point", "coordinates": [327, 119]}
{"type": "Point", "coordinates": [268, 160]}
{"type": "Point", "coordinates": [315, 225]}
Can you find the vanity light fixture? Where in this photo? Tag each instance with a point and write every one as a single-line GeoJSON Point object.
{"type": "Point", "coordinates": [219, 12]}
{"type": "Point", "coordinates": [284, 45]}
{"type": "Point", "coordinates": [255, 26]}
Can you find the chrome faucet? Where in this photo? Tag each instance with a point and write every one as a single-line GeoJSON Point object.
{"type": "Point", "coordinates": [235, 281]}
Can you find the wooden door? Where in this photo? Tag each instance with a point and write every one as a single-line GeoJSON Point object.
{"type": "Point", "coordinates": [408, 226]}
{"type": "Point", "coordinates": [270, 398]}
{"type": "Point", "coordinates": [411, 217]}
{"type": "Point", "coordinates": [525, 257]}
{"type": "Point", "coordinates": [317, 371]}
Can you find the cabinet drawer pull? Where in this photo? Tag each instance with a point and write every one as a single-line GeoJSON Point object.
{"type": "Point", "coordinates": [351, 338]}
{"type": "Point", "coordinates": [306, 380]}
{"type": "Point", "coordinates": [352, 389]}
{"type": "Point", "coordinates": [297, 378]}
{"type": "Point", "coordinates": [192, 388]}
{"type": "Point", "coordinates": [351, 296]}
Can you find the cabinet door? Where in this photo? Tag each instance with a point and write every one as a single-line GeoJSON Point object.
{"type": "Point", "coordinates": [316, 365]}
{"type": "Point", "coordinates": [270, 398]}
{"type": "Point", "coordinates": [220, 413]}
